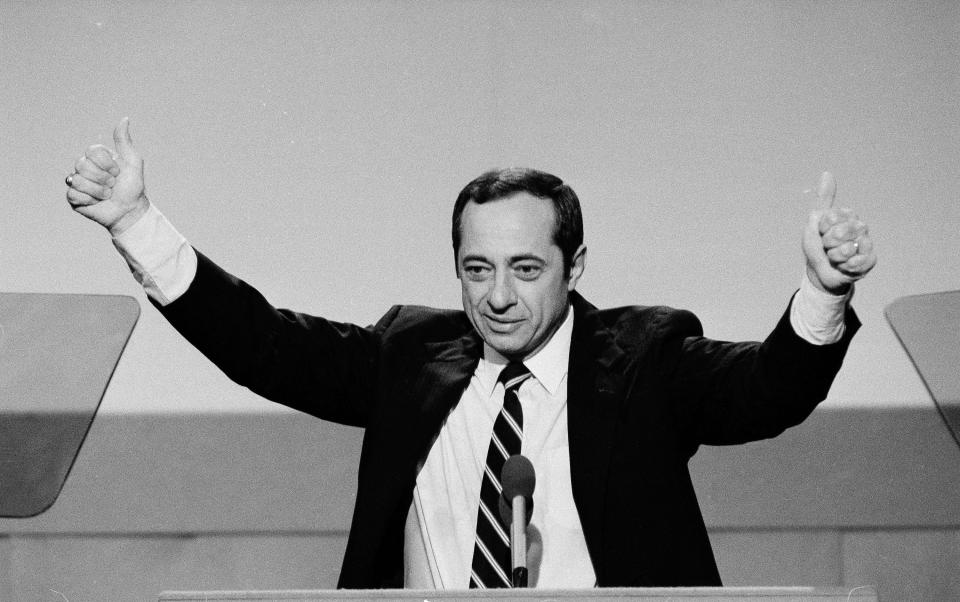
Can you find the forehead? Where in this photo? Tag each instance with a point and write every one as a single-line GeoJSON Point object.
{"type": "Point", "coordinates": [517, 223]}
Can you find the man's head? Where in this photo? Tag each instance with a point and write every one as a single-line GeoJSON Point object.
{"type": "Point", "coordinates": [518, 246]}
{"type": "Point", "coordinates": [501, 183]}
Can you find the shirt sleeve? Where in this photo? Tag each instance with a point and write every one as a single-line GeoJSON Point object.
{"type": "Point", "coordinates": [159, 257]}
{"type": "Point", "coordinates": [817, 316]}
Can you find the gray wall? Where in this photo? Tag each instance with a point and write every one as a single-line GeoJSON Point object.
{"type": "Point", "coordinates": [316, 148]}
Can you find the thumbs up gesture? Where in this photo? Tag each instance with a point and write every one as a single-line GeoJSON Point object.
{"type": "Point", "coordinates": [836, 243]}
{"type": "Point", "coordinates": [107, 185]}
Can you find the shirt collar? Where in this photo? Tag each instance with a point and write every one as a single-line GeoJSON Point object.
{"type": "Point", "coordinates": [549, 365]}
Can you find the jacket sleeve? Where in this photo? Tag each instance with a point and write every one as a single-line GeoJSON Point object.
{"type": "Point", "coordinates": [324, 368]}
{"type": "Point", "coordinates": [728, 393]}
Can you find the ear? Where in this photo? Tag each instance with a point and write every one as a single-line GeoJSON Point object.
{"type": "Point", "coordinates": [577, 266]}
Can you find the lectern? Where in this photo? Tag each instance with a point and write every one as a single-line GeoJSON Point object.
{"type": "Point", "coordinates": [680, 594]}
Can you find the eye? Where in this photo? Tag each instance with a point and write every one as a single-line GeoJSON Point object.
{"type": "Point", "coordinates": [476, 271]}
{"type": "Point", "coordinates": [528, 271]}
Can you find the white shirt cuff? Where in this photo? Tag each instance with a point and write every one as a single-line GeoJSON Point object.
{"type": "Point", "coordinates": [817, 316]}
{"type": "Point", "coordinates": [159, 257]}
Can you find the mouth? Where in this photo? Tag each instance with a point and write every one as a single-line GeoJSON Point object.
{"type": "Point", "coordinates": [502, 325]}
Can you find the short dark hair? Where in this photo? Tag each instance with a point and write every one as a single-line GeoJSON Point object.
{"type": "Point", "coordinates": [501, 183]}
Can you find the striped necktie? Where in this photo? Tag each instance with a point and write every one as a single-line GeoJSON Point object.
{"type": "Point", "coordinates": [491, 552]}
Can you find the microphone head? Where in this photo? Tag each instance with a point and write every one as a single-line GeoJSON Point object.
{"type": "Point", "coordinates": [517, 477]}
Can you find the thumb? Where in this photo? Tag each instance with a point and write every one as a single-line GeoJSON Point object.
{"type": "Point", "coordinates": [122, 140]}
{"type": "Point", "coordinates": [826, 191]}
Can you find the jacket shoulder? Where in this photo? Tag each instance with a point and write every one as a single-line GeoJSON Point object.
{"type": "Point", "coordinates": [423, 323]}
{"type": "Point", "coordinates": [634, 326]}
{"type": "Point", "coordinates": [638, 319]}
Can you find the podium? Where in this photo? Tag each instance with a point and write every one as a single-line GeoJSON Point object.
{"type": "Point", "coordinates": [664, 594]}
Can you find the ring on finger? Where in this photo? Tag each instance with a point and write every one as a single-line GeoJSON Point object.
{"type": "Point", "coordinates": [856, 247]}
{"type": "Point", "coordinates": [69, 180]}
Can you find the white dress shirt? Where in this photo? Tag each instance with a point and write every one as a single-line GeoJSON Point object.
{"type": "Point", "coordinates": [441, 523]}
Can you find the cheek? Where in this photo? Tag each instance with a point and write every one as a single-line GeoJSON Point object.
{"type": "Point", "coordinates": [546, 303]}
{"type": "Point", "coordinates": [534, 303]}
{"type": "Point", "coordinates": [472, 293]}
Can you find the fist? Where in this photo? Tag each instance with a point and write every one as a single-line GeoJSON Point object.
{"type": "Point", "coordinates": [106, 185]}
{"type": "Point", "coordinates": [836, 244]}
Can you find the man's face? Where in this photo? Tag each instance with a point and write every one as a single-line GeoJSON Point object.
{"type": "Point", "coordinates": [511, 273]}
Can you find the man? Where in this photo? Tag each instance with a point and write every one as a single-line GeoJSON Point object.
{"type": "Point", "coordinates": [609, 405]}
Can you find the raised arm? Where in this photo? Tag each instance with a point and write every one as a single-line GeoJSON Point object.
{"type": "Point", "coordinates": [321, 367]}
{"type": "Point", "coordinates": [737, 392]}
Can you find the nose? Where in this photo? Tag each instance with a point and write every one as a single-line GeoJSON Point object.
{"type": "Point", "coordinates": [504, 295]}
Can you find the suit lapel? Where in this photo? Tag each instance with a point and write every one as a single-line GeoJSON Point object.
{"type": "Point", "coordinates": [446, 372]}
{"type": "Point", "coordinates": [594, 396]}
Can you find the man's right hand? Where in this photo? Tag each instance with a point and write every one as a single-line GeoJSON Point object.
{"type": "Point", "coordinates": [107, 186]}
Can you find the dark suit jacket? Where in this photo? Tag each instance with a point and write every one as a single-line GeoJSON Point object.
{"type": "Point", "coordinates": [645, 389]}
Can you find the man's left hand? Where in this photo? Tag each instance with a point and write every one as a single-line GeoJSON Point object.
{"type": "Point", "coordinates": [836, 243]}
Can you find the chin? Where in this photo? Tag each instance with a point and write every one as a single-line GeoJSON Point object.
{"type": "Point", "coordinates": [505, 345]}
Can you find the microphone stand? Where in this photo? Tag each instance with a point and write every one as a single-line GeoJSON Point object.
{"type": "Point", "coordinates": [518, 541]}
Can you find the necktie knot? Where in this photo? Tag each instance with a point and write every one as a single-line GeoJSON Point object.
{"type": "Point", "coordinates": [513, 375]}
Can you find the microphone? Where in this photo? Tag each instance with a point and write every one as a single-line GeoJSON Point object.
{"type": "Point", "coordinates": [516, 508]}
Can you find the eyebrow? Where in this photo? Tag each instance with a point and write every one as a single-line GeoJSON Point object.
{"type": "Point", "coordinates": [513, 259]}
{"type": "Point", "coordinates": [473, 257]}
{"type": "Point", "coordinates": [527, 257]}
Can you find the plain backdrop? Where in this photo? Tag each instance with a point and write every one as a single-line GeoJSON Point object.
{"type": "Point", "coordinates": [315, 149]}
